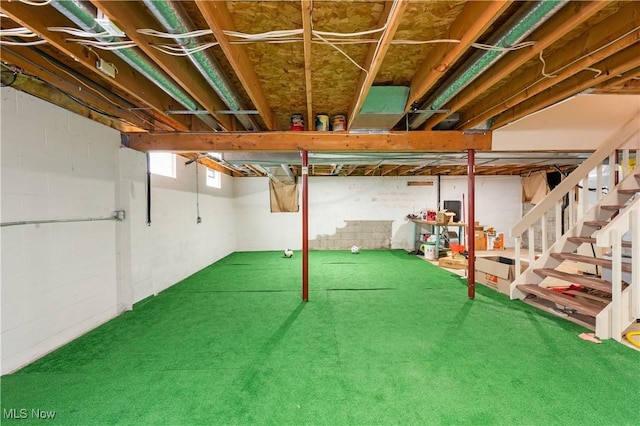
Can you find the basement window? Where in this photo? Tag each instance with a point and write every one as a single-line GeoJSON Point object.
{"type": "Point", "coordinates": [214, 178]}
{"type": "Point", "coordinates": [162, 163]}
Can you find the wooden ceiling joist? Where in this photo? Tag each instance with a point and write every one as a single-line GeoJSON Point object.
{"type": "Point", "coordinates": [219, 20]}
{"type": "Point", "coordinates": [602, 43]}
{"type": "Point", "coordinates": [474, 19]}
{"type": "Point", "coordinates": [38, 19]}
{"type": "Point", "coordinates": [125, 15]}
{"type": "Point", "coordinates": [441, 141]}
{"type": "Point", "coordinates": [390, 21]}
{"type": "Point", "coordinates": [563, 22]}
{"type": "Point", "coordinates": [611, 67]}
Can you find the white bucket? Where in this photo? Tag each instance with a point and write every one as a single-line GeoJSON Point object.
{"type": "Point", "coordinates": [430, 251]}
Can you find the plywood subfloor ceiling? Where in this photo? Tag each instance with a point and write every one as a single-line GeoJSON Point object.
{"type": "Point", "coordinates": [239, 70]}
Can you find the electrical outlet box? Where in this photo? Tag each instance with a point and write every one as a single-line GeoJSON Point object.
{"type": "Point", "coordinates": [107, 68]}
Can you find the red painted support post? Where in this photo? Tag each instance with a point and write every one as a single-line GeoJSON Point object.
{"type": "Point", "coordinates": [305, 226]}
{"type": "Point", "coordinates": [471, 222]}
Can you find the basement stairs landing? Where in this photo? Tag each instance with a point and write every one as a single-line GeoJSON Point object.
{"type": "Point", "coordinates": [607, 301]}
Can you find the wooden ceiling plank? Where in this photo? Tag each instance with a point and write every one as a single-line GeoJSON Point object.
{"type": "Point", "coordinates": [563, 22]}
{"type": "Point", "coordinates": [219, 20]}
{"type": "Point", "coordinates": [126, 15]}
{"type": "Point", "coordinates": [611, 67]}
{"type": "Point", "coordinates": [417, 141]}
{"type": "Point", "coordinates": [474, 20]}
{"type": "Point", "coordinates": [579, 56]}
{"type": "Point", "coordinates": [306, 33]}
{"type": "Point", "coordinates": [390, 21]}
{"type": "Point", "coordinates": [37, 19]}
{"type": "Point", "coordinates": [31, 62]}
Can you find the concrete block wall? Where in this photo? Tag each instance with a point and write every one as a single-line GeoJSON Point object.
{"type": "Point", "coordinates": [59, 279]}
{"type": "Point", "coordinates": [365, 234]}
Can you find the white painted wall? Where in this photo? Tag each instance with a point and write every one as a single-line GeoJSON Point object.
{"type": "Point", "coordinates": [333, 200]}
{"type": "Point", "coordinates": [58, 280]}
{"type": "Point", "coordinates": [61, 280]}
{"type": "Point", "coordinates": [174, 245]}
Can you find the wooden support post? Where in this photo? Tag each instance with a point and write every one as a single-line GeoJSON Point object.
{"type": "Point", "coordinates": [305, 226]}
{"type": "Point", "coordinates": [471, 221]}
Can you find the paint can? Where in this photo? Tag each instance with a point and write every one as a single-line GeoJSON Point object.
{"type": "Point", "coordinates": [297, 122]}
{"type": "Point", "coordinates": [339, 123]}
{"type": "Point", "coordinates": [322, 122]}
{"type": "Point", "coordinates": [430, 251]}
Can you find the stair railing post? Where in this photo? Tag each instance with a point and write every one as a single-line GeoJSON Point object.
{"type": "Point", "coordinates": [585, 195]}
{"type": "Point", "coordinates": [599, 182]}
{"type": "Point", "coordinates": [559, 219]}
{"type": "Point", "coordinates": [625, 163]}
{"type": "Point", "coordinates": [543, 231]}
{"type": "Point", "coordinates": [616, 284]}
{"type": "Point", "coordinates": [532, 246]}
{"type": "Point", "coordinates": [635, 271]}
{"type": "Point", "coordinates": [518, 241]}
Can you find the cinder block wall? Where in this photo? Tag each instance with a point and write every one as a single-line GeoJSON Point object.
{"type": "Point", "coordinates": [61, 280]}
{"type": "Point", "coordinates": [365, 234]}
{"type": "Point", "coordinates": [58, 280]}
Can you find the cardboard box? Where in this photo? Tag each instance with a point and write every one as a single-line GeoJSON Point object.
{"type": "Point", "coordinates": [481, 240]}
{"type": "Point", "coordinates": [496, 272]}
{"type": "Point", "coordinates": [451, 263]}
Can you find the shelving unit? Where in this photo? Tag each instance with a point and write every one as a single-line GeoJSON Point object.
{"type": "Point", "coordinates": [439, 230]}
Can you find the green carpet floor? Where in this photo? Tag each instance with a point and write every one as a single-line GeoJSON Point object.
{"type": "Point", "coordinates": [386, 338]}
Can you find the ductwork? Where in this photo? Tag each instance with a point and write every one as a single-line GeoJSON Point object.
{"type": "Point", "coordinates": [81, 14]}
{"type": "Point", "coordinates": [175, 20]}
{"type": "Point", "coordinates": [517, 28]}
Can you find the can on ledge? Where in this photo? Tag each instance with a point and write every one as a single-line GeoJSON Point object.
{"type": "Point", "coordinates": [339, 123]}
{"type": "Point", "coordinates": [297, 122]}
{"type": "Point", "coordinates": [322, 122]}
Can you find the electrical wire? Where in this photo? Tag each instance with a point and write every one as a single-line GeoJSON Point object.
{"type": "Point", "coordinates": [19, 31]}
{"type": "Point", "coordinates": [161, 34]}
{"type": "Point", "coordinates": [181, 51]}
{"type": "Point", "coordinates": [104, 45]}
{"type": "Point", "coordinates": [544, 66]}
{"type": "Point", "coordinates": [36, 3]}
{"type": "Point", "coordinates": [19, 43]}
{"type": "Point", "coordinates": [78, 33]}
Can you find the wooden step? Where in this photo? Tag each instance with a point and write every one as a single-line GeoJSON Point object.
{"type": "Point", "coordinates": [615, 207]}
{"type": "Point", "coordinates": [590, 240]}
{"type": "Point", "coordinates": [629, 191]}
{"type": "Point", "coordinates": [589, 260]}
{"type": "Point", "coordinates": [596, 223]}
{"type": "Point", "coordinates": [580, 306]}
{"type": "Point", "coordinates": [590, 282]}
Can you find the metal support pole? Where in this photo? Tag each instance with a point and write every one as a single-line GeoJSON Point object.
{"type": "Point", "coordinates": [471, 221]}
{"type": "Point", "coordinates": [305, 226]}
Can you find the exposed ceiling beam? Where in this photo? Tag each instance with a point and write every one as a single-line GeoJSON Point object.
{"type": "Point", "coordinates": [57, 97]}
{"type": "Point", "coordinates": [560, 24]}
{"type": "Point", "coordinates": [34, 63]}
{"type": "Point", "coordinates": [475, 18]}
{"type": "Point", "coordinates": [127, 16]}
{"type": "Point", "coordinates": [37, 19]}
{"type": "Point", "coordinates": [563, 64]}
{"type": "Point", "coordinates": [628, 82]}
{"type": "Point", "coordinates": [442, 141]}
{"type": "Point", "coordinates": [219, 20]}
{"type": "Point", "coordinates": [389, 21]}
{"type": "Point", "coordinates": [611, 67]}
{"type": "Point", "coordinates": [306, 35]}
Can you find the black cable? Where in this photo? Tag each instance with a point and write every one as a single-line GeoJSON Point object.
{"type": "Point", "coordinates": [148, 189]}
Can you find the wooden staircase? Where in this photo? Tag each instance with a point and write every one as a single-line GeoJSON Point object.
{"type": "Point", "coordinates": [576, 296]}
{"type": "Point", "coordinates": [555, 280]}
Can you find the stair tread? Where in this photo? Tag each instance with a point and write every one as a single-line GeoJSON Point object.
{"type": "Point", "coordinates": [591, 240]}
{"type": "Point", "coordinates": [589, 260]}
{"type": "Point", "coordinates": [590, 282]}
{"type": "Point", "coordinates": [570, 302]}
{"type": "Point", "coordinates": [612, 206]}
{"type": "Point", "coordinates": [629, 191]}
{"type": "Point", "coordinates": [599, 223]}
